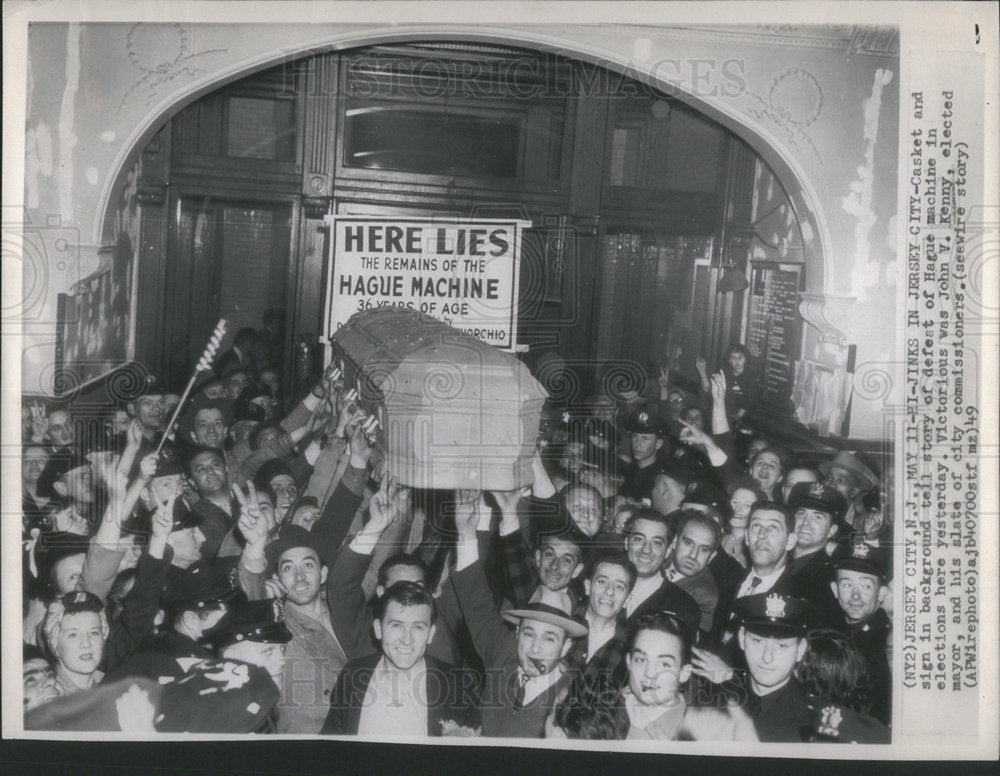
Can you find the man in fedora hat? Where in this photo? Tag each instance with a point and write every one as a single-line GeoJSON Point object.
{"type": "Point", "coordinates": [524, 670]}
{"type": "Point", "coordinates": [848, 474]}
{"type": "Point", "coordinates": [314, 656]}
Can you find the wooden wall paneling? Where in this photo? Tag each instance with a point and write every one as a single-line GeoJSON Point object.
{"type": "Point", "coordinates": [319, 111]}
{"type": "Point", "coordinates": [151, 253]}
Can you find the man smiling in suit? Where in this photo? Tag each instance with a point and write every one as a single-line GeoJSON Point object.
{"type": "Point", "coordinates": [401, 691]}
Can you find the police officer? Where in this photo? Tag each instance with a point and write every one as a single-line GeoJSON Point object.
{"type": "Point", "coordinates": [647, 435]}
{"type": "Point", "coordinates": [772, 637]}
{"type": "Point", "coordinates": [819, 511]}
{"type": "Point", "coordinates": [253, 632]}
{"type": "Point", "coordinates": [861, 586]}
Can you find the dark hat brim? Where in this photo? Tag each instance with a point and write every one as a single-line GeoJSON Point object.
{"type": "Point", "coordinates": [864, 566]}
{"type": "Point", "coordinates": [272, 633]}
{"type": "Point", "coordinates": [809, 502]}
{"type": "Point", "coordinates": [772, 629]}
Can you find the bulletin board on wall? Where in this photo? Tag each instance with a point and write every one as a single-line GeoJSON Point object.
{"type": "Point", "coordinates": [774, 331]}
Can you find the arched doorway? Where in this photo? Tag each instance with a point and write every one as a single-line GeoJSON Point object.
{"type": "Point", "coordinates": [587, 213]}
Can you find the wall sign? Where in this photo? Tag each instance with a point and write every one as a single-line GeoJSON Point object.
{"type": "Point", "coordinates": [774, 336]}
{"type": "Point", "coordinates": [464, 272]}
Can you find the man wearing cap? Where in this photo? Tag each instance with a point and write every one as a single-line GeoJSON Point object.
{"type": "Point", "coordinates": [253, 632]}
{"type": "Point", "coordinates": [525, 673]}
{"type": "Point", "coordinates": [68, 475]}
{"type": "Point", "coordinates": [697, 541]}
{"type": "Point", "coordinates": [148, 408]}
{"type": "Point", "coordinates": [648, 537]}
{"type": "Point", "coordinates": [852, 478]}
{"type": "Point", "coordinates": [313, 657]}
{"type": "Point", "coordinates": [401, 690]}
{"type": "Point", "coordinates": [194, 594]}
{"type": "Point", "coordinates": [670, 484]}
{"type": "Point", "coordinates": [772, 637]}
{"type": "Point", "coordinates": [861, 585]}
{"type": "Point", "coordinates": [646, 434]}
{"type": "Point", "coordinates": [818, 510]}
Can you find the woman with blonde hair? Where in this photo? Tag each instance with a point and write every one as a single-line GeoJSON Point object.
{"type": "Point", "coordinates": [76, 629]}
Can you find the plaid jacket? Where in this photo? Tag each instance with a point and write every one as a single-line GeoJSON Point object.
{"type": "Point", "coordinates": [608, 662]}
{"type": "Point", "coordinates": [520, 576]}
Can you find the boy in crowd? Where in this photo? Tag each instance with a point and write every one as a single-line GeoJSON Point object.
{"type": "Point", "coordinates": [659, 662]}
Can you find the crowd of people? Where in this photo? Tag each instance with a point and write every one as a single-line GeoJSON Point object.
{"type": "Point", "coordinates": [254, 568]}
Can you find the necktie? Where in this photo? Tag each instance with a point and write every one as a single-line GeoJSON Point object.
{"type": "Point", "coordinates": [755, 583]}
{"type": "Point", "coordinates": [519, 698]}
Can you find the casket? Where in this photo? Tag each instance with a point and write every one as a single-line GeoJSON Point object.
{"type": "Point", "coordinates": [453, 411]}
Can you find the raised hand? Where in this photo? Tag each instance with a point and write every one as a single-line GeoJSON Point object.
{"type": "Point", "coordinates": [39, 422]}
{"type": "Point", "coordinates": [664, 378]}
{"type": "Point", "coordinates": [133, 434]}
{"type": "Point", "coordinates": [274, 589]}
{"type": "Point", "coordinates": [163, 520]}
{"type": "Point", "coordinates": [507, 500]}
{"type": "Point", "coordinates": [147, 467]}
{"type": "Point", "coordinates": [467, 512]}
{"type": "Point", "coordinates": [718, 382]}
{"type": "Point", "coordinates": [350, 416]}
{"type": "Point", "coordinates": [692, 435]}
{"type": "Point", "coordinates": [381, 510]}
{"type": "Point", "coordinates": [135, 711]}
{"type": "Point", "coordinates": [253, 524]}
{"type": "Point", "coordinates": [360, 449]}
{"type": "Point", "coordinates": [701, 365]}
{"type": "Point", "coordinates": [710, 666]}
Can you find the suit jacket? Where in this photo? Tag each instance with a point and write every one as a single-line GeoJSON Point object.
{"type": "Point", "coordinates": [811, 578]}
{"type": "Point", "coordinates": [703, 589]}
{"type": "Point", "coordinates": [448, 697]}
{"type": "Point", "coordinates": [669, 598]}
{"type": "Point", "coordinates": [723, 638]}
{"type": "Point", "coordinates": [496, 644]}
{"type": "Point", "coordinates": [313, 660]}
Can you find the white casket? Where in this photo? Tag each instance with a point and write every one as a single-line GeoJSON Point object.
{"type": "Point", "coordinates": [453, 411]}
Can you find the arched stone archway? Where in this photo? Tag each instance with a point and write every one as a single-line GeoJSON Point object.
{"type": "Point", "coordinates": [783, 162]}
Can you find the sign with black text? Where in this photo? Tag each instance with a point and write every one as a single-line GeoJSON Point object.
{"type": "Point", "coordinates": [461, 271]}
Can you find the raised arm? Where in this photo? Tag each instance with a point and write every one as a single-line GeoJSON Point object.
{"type": "Point", "coordinates": [345, 595]}
{"type": "Point", "coordinates": [520, 577]}
{"type": "Point", "coordinates": [140, 607]}
{"type": "Point", "coordinates": [490, 635]}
